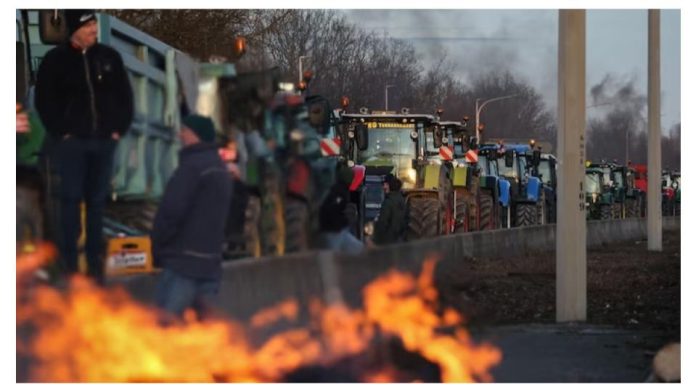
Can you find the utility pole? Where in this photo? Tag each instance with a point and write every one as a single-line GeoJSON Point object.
{"type": "Point", "coordinates": [654, 134]}
{"type": "Point", "coordinates": [571, 235]}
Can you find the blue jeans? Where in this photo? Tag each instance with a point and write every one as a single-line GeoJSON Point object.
{"type": "Point", "coordinates": [85, 167]}
{"type": "Point", "coordinates": [175, 293]}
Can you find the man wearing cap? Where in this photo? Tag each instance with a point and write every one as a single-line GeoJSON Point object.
{"type": "Point", "coordinates": [85, 101]}
{"type": "Point", "coordinates": [188, 232]}
{"type": "Point", "coordinates": [390, 226]}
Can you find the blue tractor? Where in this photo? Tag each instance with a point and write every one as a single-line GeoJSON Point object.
{"type": "Point", "coordinates": [528, 200]}
{"type": "Point", "coordinates": [492, 184]}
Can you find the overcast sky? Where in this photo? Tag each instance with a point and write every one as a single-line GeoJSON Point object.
{"type": "Point", "coordinates": [526, 41]}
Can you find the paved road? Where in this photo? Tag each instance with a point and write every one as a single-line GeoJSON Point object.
{"type": "Point", "coordinates": [572, 353]}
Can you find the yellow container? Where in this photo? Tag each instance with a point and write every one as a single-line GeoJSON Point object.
{"type": "Point", "coordinates": [129, 255]}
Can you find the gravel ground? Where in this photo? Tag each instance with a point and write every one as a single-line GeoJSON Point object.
{"type": "Point", "coordinates": [627, 287]}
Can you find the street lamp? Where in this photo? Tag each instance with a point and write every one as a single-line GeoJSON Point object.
{"type": "Point", "coordinates": [300, 66]}
{"type": "Point", "coordinates": [479, 108]}
{"type": "Point", "coordinates": [386, 96]}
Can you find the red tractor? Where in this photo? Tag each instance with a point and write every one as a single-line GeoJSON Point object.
{"type": "Point", "coordinates": [641, 183]}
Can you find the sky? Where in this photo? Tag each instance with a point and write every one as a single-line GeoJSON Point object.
{"type": "Point", "coordinates": [526, 42]}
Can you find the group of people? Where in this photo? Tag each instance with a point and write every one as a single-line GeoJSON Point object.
{"type": "Point", "coordinates": [85, 101]}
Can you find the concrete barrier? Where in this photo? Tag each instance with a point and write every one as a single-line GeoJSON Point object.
{"type": "Point", "coordinates": [250, 285]}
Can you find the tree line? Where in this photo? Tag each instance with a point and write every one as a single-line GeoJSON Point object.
{"type": "Point", "coordinates": [348, 60]}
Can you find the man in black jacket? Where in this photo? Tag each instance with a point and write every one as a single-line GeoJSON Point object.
{"type": "Point", "coordinates": [188, 232]}
{"type": "Point", "coordinates": [391, 223]}
{"type": "Point", "coordinates": [85, 100]}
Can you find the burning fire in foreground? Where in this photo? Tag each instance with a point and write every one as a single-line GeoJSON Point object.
{"type": "Point", "coordinates": [90, 334]}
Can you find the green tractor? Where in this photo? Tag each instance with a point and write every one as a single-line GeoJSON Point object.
{"type": "Point", "coordinates": [403, 144]}
{"type": "Point", "coordinates": [285, 171]}
{"type": "Point", "coordinates": [603, 196]}
{"type": "Point", "coordinates": [626, 191]}
{"type": "Point", "coordinates": [473, 205]}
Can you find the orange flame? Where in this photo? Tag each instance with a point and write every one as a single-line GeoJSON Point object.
{"type": "Point", "coordinates": [90, 334]}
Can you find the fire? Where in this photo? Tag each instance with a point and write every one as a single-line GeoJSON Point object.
{"type": "Point", "coordinates": [89, 334]}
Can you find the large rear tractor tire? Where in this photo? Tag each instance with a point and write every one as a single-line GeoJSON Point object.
{"type": "Point", "coordinates": [487, 211]}
{"type": "Point", "coordinates": [297, 225]}
{"type": "Point", "coordinates": [605, 212]}
{"type": "Point", "coordinates": [424, 218]}
{"type": "Point", "coordinates": [632, 208]}
{"type": "Point", "coordinates": [617, 211]}
{"type": "Point", "coordinates": [461, 219]}
{"type": "Point", "coordinates": [525, 215]}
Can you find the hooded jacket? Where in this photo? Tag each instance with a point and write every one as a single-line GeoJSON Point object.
{"type": "Point", "coordinates": [188, 232]}
{"type": "Point", "coordinates": [84, 93]}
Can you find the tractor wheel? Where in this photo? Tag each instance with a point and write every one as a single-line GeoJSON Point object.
{"type": "Point", "coordinates": [424, 218]}
{"type": "Point", "coordinates": [616, 211]}
{"type": "Point", "coordinates": [605, 212]}
{"type": "Point", "coordinates": [525, 215]}
{"type": "Point", "coordinates": [461, 220]}
{"type": "Point", "coordinates": [632, 208]}
{"type": "Point", "coordinates": [542, 212]}
{"type": "Point", "coordinates": [677, 208]}
{"type": "Point", "coordinates": [296, 225]}
{"type": "Point", "coordinates": [252, 219]}
{"type": "Point", "coordinates": [487, 211]}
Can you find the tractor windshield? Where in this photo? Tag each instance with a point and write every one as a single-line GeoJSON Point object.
{"type": "Point", "coordinates": [606, 176]}
{"type": "Point", "coordinates": [510, 172]}
{"type": "Point", "coordinates": [388, 142]}
{"type": "Point", "coordinates": [545, 171]}
{"type": "Point", "coordinates": [618, 178]}
{"type": "Point", "coordinates": [592, 183]}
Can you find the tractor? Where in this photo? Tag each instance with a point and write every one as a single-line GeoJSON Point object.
{"type": "Point", "coordinates": [528, 205]}
{"type": "Point", "coordinates": [493, 185]}
{"type": "Point", "coordinates": [547, 174]}
{"type": "Point", "coordinates": [596, 206]}
{"type": "Point", "coordinates": [671, 193]}
{"type": "Point", "coordinates": [286, 173]}
{"type": "Point", "coordinates": [403, 144]}
{"type": "Point", "coordinates": [473, 207]}
{"type": "Point", "coordinates": [612, 192]}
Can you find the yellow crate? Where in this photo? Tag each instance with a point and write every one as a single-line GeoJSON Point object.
{"type": "Point", "coordinates": [129, 255]}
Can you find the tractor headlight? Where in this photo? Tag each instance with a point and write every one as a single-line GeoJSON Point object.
{"type": "Point", "coordinates": [369, 228]}
{"type": "Point", "coordinates": [594, 197]}
{"type": "Point", "coordinates": [411, 174]}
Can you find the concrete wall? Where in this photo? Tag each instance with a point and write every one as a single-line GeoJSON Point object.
{"type": "Point", "coordinates": [250, 285]}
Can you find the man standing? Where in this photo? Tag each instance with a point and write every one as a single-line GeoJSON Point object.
{"type": "Point", "coordinates": [189, 228]}
{"type": "Point", "coordinates": [84, 98]}
{"type": "Point", "coordinates": [391, 223]}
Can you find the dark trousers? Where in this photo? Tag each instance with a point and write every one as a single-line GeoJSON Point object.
{"type": "Point", "coordinates": [85, 167]}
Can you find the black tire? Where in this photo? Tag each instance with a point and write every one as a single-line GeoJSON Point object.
{"type": "Point", "coordinates": [424, 218]}
{"type": "Point", "coordinates": [525, 215]}
{"type": "Point", "coordinates": [616, 211]}
{"type": "Point", "coordinates": [297, 227]}
{"type": "Point", "coordinates": [677, 208]}
{"type": "Point", "coordinates": [486, 211]}
{"type": "Point", "coordinates": [252, 218]}
{"type": "Point", "coordinates": [605, 212]}
{"type": "Point", "coordinates": [632, 208]}
{"type": "Point", "coordinates": [461, 219]}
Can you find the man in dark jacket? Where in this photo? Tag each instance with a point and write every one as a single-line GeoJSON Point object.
{"type": "Point", "coordinates": [188, 232]}
{"type": "Point", "coordinates": [84, 98]}
{"type": "Point", "coordinates": [390, 225]}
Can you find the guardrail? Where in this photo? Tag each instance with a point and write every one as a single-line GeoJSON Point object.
{"type": "Point", "coordinates": [252, 284]}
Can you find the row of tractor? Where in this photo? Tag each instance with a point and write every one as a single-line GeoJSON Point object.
{"type": "Point", "coordinates": [292, 147]}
